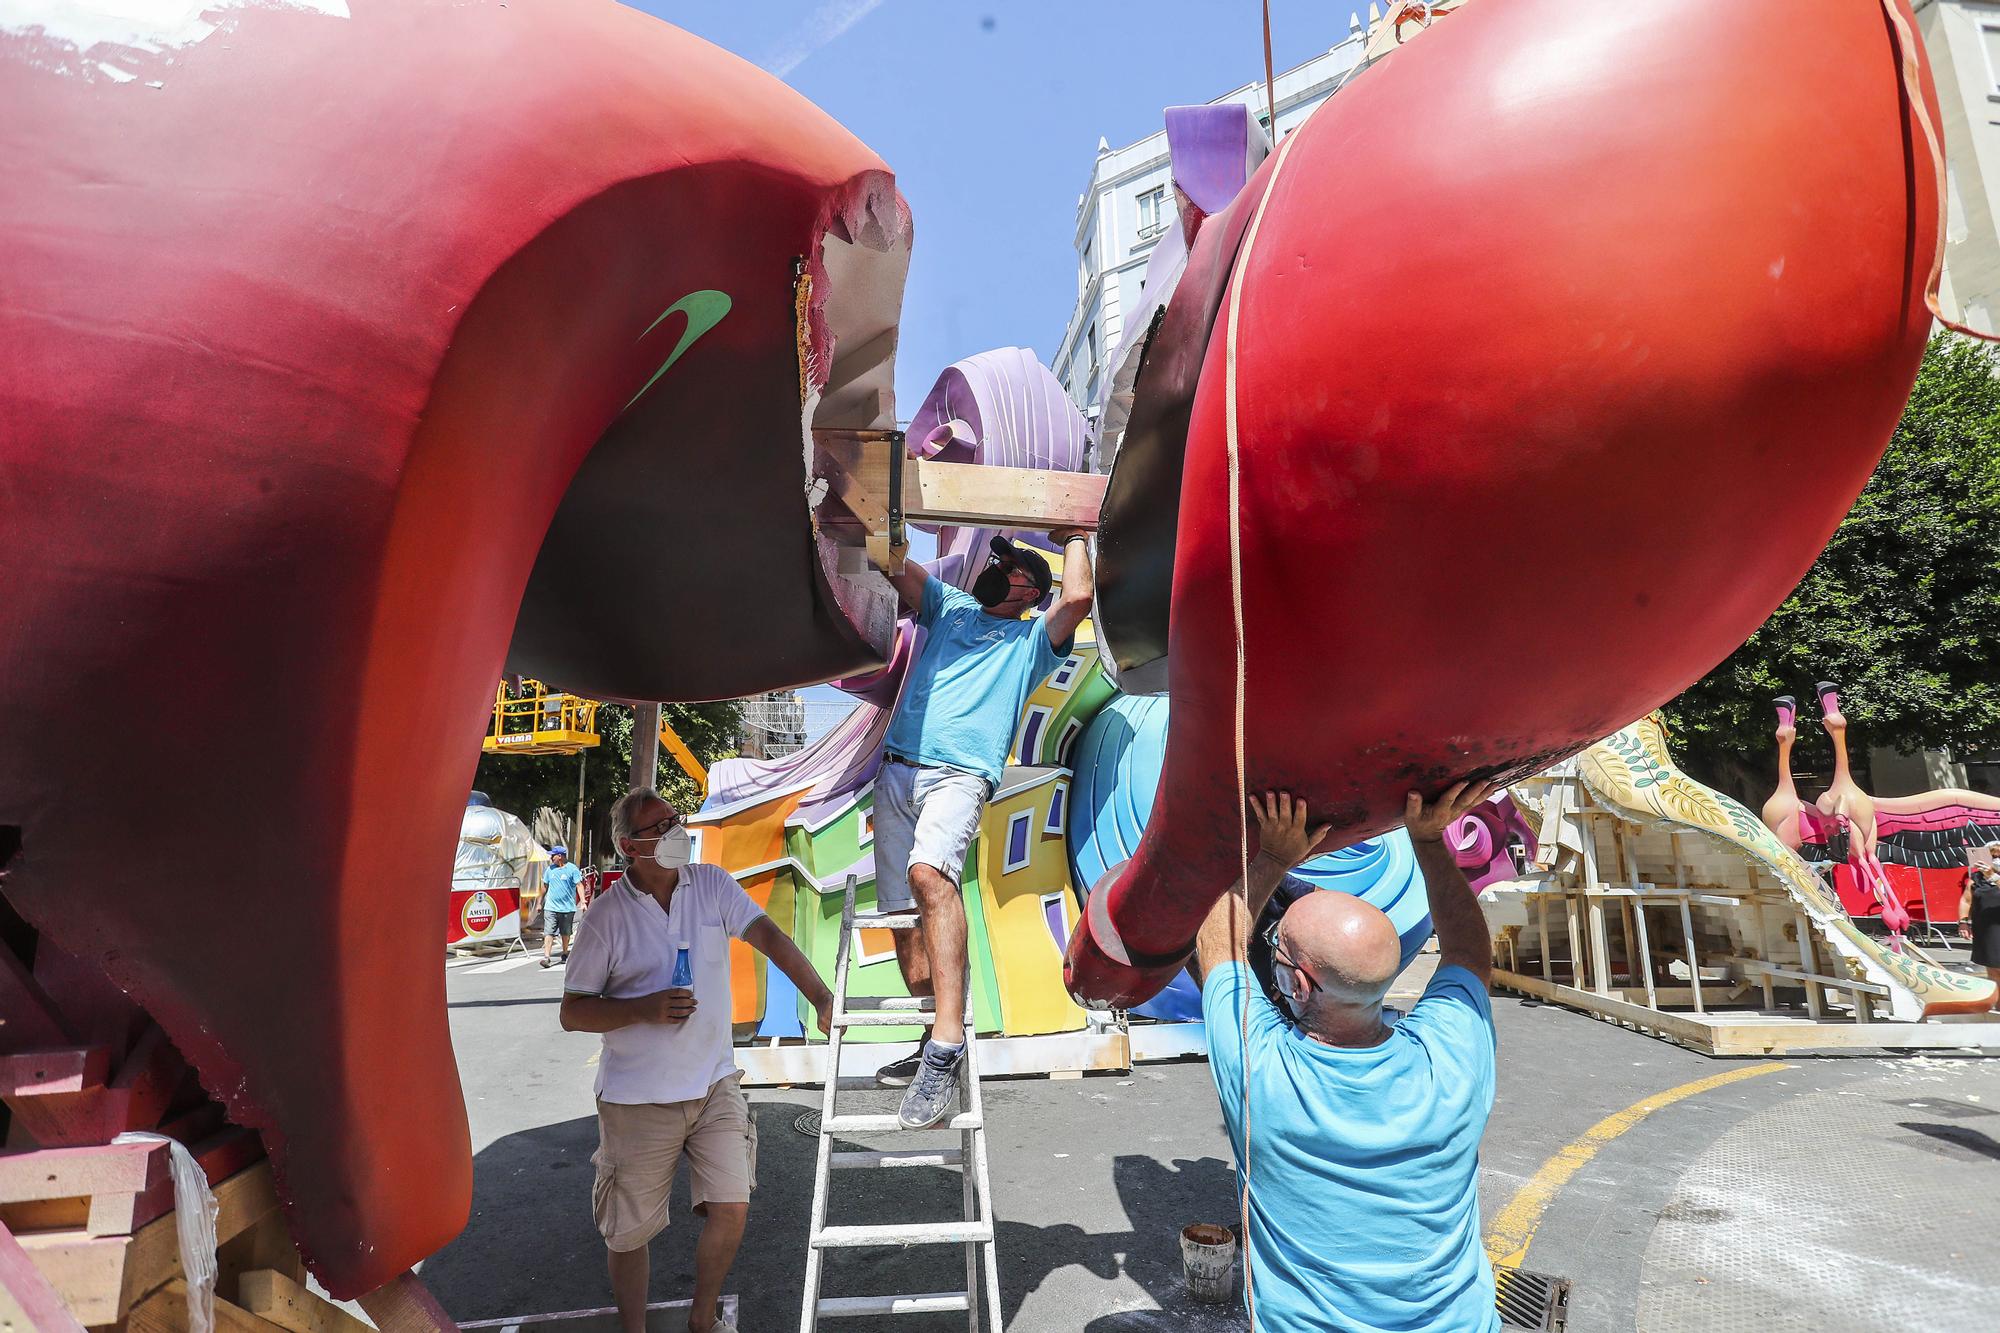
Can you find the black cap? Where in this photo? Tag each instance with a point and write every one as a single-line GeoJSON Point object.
{"type": "Point", "coordinates": [1026, 557]}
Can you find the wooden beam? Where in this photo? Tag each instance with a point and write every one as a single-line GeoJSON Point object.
{"type": "Point", "coordinates": [101, 1277]}
{"type": "Point", "coordinates": [405, 1305]}
{"type": "Point", "coordinates": [1002, 497]}
{"type": "Point", "coordinates": [27, 1301]}
{"type": "Point", "coordinates": [271, 1295]}
{"type": "Point", "coordinates": [166, 1311]}
{"type": "Point", "coordinates": [855, 466]}
{"type": "Point", "coordinates": [45, 1072]}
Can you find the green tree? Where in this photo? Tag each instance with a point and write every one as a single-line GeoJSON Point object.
{"type": "Point", "coordinates": [525, 783]}
{"type": "Point", "coordinates": [1902, 610]}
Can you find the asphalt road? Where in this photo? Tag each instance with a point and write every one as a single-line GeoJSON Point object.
{"type": "Point", "coordinates": [1818, 1194]}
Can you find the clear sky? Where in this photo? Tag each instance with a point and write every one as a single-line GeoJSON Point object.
{"type": "Point", "coordinates": [989, 114]}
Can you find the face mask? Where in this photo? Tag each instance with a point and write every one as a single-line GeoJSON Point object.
{"type": "Point", "coordinates": [991, 587]}
{"type": "Point", "coordinates": [671, 852]}
{"type": "Point", "coordinates": [1281, 977]}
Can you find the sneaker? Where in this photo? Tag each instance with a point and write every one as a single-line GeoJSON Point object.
{"type": "Point", "coordinates": [930, 1096]}
{"type": "Point", "coordinates": [900, 1073]}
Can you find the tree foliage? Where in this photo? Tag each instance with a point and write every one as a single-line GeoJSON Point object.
{"type": "Point", "coordinates": [1902, 610]}
{"type": "Point", "coordinates": [525, 783]}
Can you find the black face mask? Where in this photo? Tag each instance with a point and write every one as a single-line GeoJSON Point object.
{"type": "Point", "coordinates": [991, 587]}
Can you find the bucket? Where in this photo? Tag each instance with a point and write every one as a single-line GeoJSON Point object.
{"type": "Point", "coordinates": [1208, 1258]}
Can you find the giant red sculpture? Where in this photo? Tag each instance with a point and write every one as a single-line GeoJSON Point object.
{"type": "Point", "coordinates": [1553, 350]}
{"type": "Point", "coordinates": [341, 352]}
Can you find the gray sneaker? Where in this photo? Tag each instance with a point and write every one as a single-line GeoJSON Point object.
{"type": "Point", "coordinates": [930, 1096]}
{"type": "Point", "coordinates": [900, 1073]}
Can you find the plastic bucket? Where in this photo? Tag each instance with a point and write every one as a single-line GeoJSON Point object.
{"type": "Point", "coordinates": [1208, 1260]}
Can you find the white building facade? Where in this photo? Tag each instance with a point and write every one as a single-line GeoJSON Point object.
{"type": "Point", "coordinates": [1129, 204]}
{"type": "Point", "coordinates": [1963, 39]}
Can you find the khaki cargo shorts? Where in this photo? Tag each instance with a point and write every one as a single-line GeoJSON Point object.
{"type": "Point", "coordinates": [640, 1146]}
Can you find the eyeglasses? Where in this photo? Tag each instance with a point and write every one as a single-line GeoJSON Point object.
{"type": "Point", "coordinates": [659, 830]}
{"type": "Point", "coordinates": [1278, 954]}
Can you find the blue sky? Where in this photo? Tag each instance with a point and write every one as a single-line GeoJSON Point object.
{"type": "Point", "coordinates": [989, 114]}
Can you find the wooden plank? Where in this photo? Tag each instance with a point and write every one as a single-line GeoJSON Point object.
{"type": "Point", "coordinates": [405, 1305]}
{"type": "Point", "coordinates": [273, 1296]}
{"type": "Point", "coordinates": [1002, 497]}
{"type": "Point", "coordinates": [166, 1311]}
{"type": "Point", "coordinates": [100, 1277]}
{"type": "Point", "coordinates": [1694, 960]}
{"type": "Point", "coordinates": [1645, 954]}
{"type": "Point", "coordinates": [43, 1072]}
{"type": "Point", "coordinates": [855, 465]}
{"type": "Point", "coordinates": [27, 1301]}
{"type": "Point", "coordinates": [75, 1173]}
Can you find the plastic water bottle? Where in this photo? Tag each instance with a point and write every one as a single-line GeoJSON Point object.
{"type": "Point", "coordinates": [683, 970]}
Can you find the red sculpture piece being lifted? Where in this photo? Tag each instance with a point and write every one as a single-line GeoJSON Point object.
{"type": "Point", "coordinates": [1557, 345]}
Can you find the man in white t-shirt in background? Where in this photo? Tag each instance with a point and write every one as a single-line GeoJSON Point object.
{"type": "Point", "coordinates": [667, 1081]}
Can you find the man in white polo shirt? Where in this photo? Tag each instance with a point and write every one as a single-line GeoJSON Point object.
{"type": "Point", "coordinates": [667, 1081]}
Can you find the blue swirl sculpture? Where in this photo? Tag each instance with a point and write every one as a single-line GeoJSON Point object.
{"type": "Point", "coordinates": [1117, 762]}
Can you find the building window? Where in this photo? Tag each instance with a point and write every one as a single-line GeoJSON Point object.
{"type": "Point", "coordinates": [1083, 270]}
{"type": "Point", "coordinates": [1017, 841]}
{"type": "Point", "coordinates": [1152, 212]}
{"type": "Point", "coordinates": [1990, 35]}
{"type": "Point", "coordinates": [1057, 918]}
{"type": "Point", "coordinates": [1058, 810]}
{"type": "Point", "coordinates": [1090, 341]}
{"type": "Point", "coordinates": [1071, 729]}
{"type": "Point", "coordinates": [1065, 675]}
{"type": "Point", "coordinates": [1031, 732]}
{"type": "Point", "coordinates": [867, 834]}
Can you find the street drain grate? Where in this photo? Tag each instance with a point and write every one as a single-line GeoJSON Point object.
{"type": "Point", "coordinates": [808, 1124]}
{"type": "Point", "coordinates": [1534, 1302]}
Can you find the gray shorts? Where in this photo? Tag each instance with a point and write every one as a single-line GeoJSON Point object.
{"type": "Point", "coordinates": [923, 816]}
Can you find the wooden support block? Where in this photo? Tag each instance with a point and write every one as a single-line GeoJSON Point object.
{"type": "Point", "coordinates": [166, 1311]}
{"type": "Point", "coordinates": [1002, 497]}
{"type": "Point", "coordinates": [102, 1276]}
{"type": "Point", "coordinates": [273, 1296]}
{"type": "Point", "coordinates": [856, 467]}
{"type": "Point", "coordinates": [44, 1072]}
{"type": "Point", "coordinates": [76, 1173]}
{"type": "Point", "coordinates": [27, 1300]}
{"type": "Point", "coordinates": [405, 1305]}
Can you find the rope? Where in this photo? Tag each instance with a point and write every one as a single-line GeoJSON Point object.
{"type": "Point", "coordinates": [1913, 88]}
{"type": "Point", "coordinates": [1270, 87]}
{"type": "Point", "coordinates": [1242, 678]}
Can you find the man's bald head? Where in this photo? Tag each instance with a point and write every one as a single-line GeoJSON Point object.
{"type": "Point", "coordinates": [1349, 947]}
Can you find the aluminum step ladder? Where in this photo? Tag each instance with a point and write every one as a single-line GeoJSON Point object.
{"type": "Point", "coordinates": [975, 1230]}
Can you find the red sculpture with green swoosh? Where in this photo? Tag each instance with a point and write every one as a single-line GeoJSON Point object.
{"type": "Point", "coordinates": [349, 359]}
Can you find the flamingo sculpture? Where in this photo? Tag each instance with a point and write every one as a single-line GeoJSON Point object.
{"type": "Point", "coordinates": [1783, 811]}
{"type": "Point", "coordinates": [1852, 811]}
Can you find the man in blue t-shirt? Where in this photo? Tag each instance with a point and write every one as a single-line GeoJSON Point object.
{"type": "Point", "coordinates": [945, 753]}
{"type": "Point", "coordinates": [559, 883]}
{"type": "Point", "coordinates": [1363, 1159]}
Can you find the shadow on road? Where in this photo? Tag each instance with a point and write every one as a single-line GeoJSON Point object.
{"type": "Point", "coordinates": [530, 1246]}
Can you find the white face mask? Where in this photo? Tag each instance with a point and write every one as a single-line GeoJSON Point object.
{"type": "Point", "coordinates": [673, 849]}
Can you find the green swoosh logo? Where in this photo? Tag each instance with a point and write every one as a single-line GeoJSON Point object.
{"type": "Point", "coordinates": [704, 310]}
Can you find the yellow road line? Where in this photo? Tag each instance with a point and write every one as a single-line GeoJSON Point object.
{"type": "Point", "coordinates": [1507, 1240]}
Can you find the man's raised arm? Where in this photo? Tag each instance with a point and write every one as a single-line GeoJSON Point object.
{"type": "Point", "coordinates": [1079, 587]}
{"type": "Point", "coordinates": [909, 584]}
{"type": "Point", "coordinates": [1283, 841]}
{"type": "Point", "coordinates": [1464, 940]}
